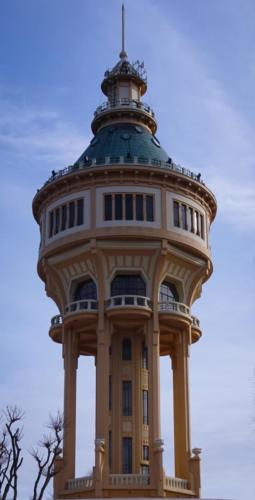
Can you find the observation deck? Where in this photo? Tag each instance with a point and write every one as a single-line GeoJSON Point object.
{"type": "Point", "coordinates": [124, 108]}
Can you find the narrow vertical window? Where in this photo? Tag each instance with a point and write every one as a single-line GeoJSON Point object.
{"type": "Point", "coordinates": [127, 398]}
{"type": "Point", "coordinates": [110, 392]}
{"type": "Point", "coordinates": [145, 408]}
{"type": "Point", "coordinates": [80, 211]}
{"type": "Point", "coordinates": [118, 207]}
{"type": "Point", "coordinates": [126, 349]}
{"type": "Point", "coordinates": [127, 455]}
{"type": "Point", "coordinates": [139, 207]}
{"type": "Point", "coordinates": [202, 228]}
{"type": "Point", "coordinates": [176, 214]}
{"type": "Point", "coordinates": [145, 470]}
{"type": "Point", "coordinates": [63, 217]}
{"type": "Point", "coordinates": [197, 223]}
{"type": "Point", "coordinates": [51, 223]}
{"type": "Point", "coordinates": [110, 450]}
{"type": "Point", "coordinates": [145, 452]}
{"type": "Point", "coordinates": [57, 220]}
{"type": "Point", "coordinates": [149, 208]}
{"type": "Point", "coordinates": [144, 356]}
{"type": "Point", "coordinates": [184, 217]}
{"type": "Point", "coordinates": [108, 207]}
{"type": "Point", "coordinates": [71, 214]}
{"type": "Point", "coordinates": [191, 214]}
{"type": "Point", "coordinates": [129, 206]}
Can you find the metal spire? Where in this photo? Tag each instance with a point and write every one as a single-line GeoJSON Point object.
{"type": "Point", "coordinates": [123, 54]}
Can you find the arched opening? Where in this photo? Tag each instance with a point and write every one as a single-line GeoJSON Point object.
{"type": "Point", "coordinates": [85, 290]}
{"type": "Point", "coordinates": [128, 284]}
{"type": "Point", "coordinates": [168, 292]}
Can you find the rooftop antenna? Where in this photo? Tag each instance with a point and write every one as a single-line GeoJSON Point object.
{"type": "Point", "coordinates": [123, 54]}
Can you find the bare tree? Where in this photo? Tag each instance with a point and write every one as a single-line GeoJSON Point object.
{"type": "Point", "coordinates": [45, 455]}
{"type": "Point", "coordinates": [10, 451]}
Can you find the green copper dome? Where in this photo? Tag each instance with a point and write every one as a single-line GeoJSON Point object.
{"type": "Point", "coordinates": [126, 140]}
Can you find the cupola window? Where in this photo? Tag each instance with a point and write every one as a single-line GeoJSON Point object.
{"type": "Point", "coordinates": [66, 216]}
{"type": "Point", "coordinates": [129, 206]}
{"type": "Point", "coordinates": [188, 218]}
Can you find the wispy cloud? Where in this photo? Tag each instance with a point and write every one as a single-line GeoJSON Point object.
{"type": "Point", "coordinates": [36, 134]}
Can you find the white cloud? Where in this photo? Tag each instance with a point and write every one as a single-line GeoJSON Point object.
{"type": "Point", "coordinates": [36, 134]}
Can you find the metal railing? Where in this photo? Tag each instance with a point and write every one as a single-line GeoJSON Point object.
{"type": "Point", "coordinates": [86, 163]}
{"type": "Point", "coordinates": [129, 479]}
{"type": "Point", "coordinates": [173, 306]}
{"type": "Point", "coordinates": [176, 483]}
{"type": "Point", "coordinates": [81, 306]}
{"type": "Point", "coordinates": [80, 483]}
{"type": "Point", "coordinates": [124, 103]}
{"type": "Point", "coordinates": [57, 320]}
{"type": "Point", "coordinates": [127, 301]}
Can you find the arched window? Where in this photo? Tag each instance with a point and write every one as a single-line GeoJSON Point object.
{"type": "Point", "coordinates": [168, 292]}
{"type": "Point", "coordinates": [86, 290]}
{"type": "Point", "coordinates": [128, 284]}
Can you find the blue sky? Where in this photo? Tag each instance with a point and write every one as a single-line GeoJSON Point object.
{"type": "Point", "coordinates": [200, 59]}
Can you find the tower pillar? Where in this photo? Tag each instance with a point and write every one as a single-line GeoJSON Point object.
{"type": "Point", "coordinates": [156, 449]}
{"type": "Point", "coordinates": [102, 407]}
{"type": "Point", "coordinates": [70, 355]}
{"type": "Point", "coordinates": [181, 404]}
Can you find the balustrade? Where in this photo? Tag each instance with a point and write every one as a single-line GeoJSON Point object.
{"type": "Point", "coordinates": [81, 306]}
{"type": "Point", "coordinates": [129, 480]}
{"type": "Point", "coordinates": [80, 483]}
{"type": "Point", "coordinates": [176, 483]}
{"type": "Point", "coordinates": [56, 320]}
{"type": "Point", "coordinates": [128, 300]}
{"type": "Point", "coordinates": [173, 306]}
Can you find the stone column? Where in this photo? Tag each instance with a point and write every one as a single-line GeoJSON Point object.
{"type": "Point", "coordinates": [181, 404]}
{"type": "Point", "coordinates": [70, 355]}
{"type": "Point", "coordinates": [102, 406]}
{"type": "Point", "coordinates": [156, 449]}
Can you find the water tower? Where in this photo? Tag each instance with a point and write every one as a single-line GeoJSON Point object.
{"type": "Point", "coordinates": [124, 253]}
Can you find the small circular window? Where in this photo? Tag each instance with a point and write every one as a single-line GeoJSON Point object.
{"type": "Point", "coordinates": [138, 129]}
{"type": "Point", "coordinates": [125, 136]}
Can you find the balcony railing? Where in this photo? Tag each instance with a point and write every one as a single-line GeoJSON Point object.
{"type": "Point", "coordinates": [124, 103]}
{"type": "Point", "coordinates": [84, 163]}
{"type": "Point", "coordinates": [129, 480]}
{"type": "Point", "coordinates": [81, 306]}
{"type": "Point", "coordinates": [57, 320]}
{"type": "Point", "coordinates": [80, 483]}
{"type": "Point", "coordinates": [176, 483]}
{"type": "Point", "coordinates": [195, 322]}
{"type": "Point", "coordinates": [173, 306]}
{"type": "Point", "coordinates": [127, 301]}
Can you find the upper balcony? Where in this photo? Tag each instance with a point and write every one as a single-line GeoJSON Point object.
{"type": "Point", "coordinates": [174, 313]}
{"type": "Point", "coordinates": [128, 305]}
{"type": "Point", "coordinates": [127, 107]}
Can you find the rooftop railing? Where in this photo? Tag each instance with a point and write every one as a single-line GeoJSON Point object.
{"type": "Point", "coordinates": [124, 103]}
{"type": "Point", "coordinates": [86, 163]}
